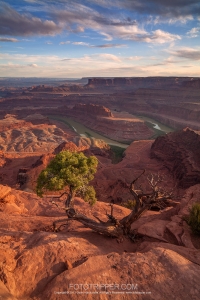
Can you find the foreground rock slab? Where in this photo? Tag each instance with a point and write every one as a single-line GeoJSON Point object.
{"type": "Point", "coordinates": [152, 275]}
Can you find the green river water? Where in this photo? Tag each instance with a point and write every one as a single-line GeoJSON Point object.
{"type": "Point", "coordinates": [84, 131]}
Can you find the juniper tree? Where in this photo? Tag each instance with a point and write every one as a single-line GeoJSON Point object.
{"type": "Point", "coordinates": [70, 172]}
{"type": "Point", "coordinates": [73, 171]}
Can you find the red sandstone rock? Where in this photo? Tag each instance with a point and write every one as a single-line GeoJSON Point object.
{"type": "Point", "coordinates": [179, 152]}
{"type": "Point", "coordinates": [115, 126]}
{"type": "Point", "coordinates": [92, 110]}
{"type": "Point", "coordinates": [66, 146]}
{"type": "Point", "coordinates": [21, 136]}
{"type": "Point", "coordinates": [192, 83]}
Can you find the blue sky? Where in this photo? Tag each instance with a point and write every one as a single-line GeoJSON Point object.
{"type": "Point", "coordinates": [88, 38]}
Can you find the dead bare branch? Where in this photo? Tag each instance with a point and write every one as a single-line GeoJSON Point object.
{"type": "Point", "coordinates": [158, 198]}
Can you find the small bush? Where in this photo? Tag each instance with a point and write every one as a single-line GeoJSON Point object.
{"type": "Point", "coordinates": [129, 204]}
{"type": "Point", "coordinates": [194, 218]}
{"type": "Point", "coordinates": [117, 153]}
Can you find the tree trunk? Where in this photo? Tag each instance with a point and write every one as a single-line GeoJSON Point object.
{"type": "Point", "coordinates": [114, 227]}
{"type": "Point", "coordinates": [70, 198]}
{"type": "Point", "coordinates": [70, 211]}
{"type": "Point", "coordinates": [106, 228]}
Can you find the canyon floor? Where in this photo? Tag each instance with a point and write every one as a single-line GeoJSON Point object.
{"type": "Point", "coordinates": [161, 262]}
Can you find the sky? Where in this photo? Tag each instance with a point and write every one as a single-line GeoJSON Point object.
{"type": "Point", "coordinates": [99, 38]}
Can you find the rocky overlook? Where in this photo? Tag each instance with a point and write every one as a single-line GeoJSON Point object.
{"type": "Point", "coordinates": [179, 152]}
{"type": "Point", "coordinates": [163, 258]}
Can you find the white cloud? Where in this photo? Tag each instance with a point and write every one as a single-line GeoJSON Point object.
{"type": "Point", "coordinates": [181, 19]}
{"type": "Point", "coordinates": [80, 44]}
{"type": "Point", "coordinates": [134, 58]}
{"type": "Point", "coordinates": [103, 64]}
{"type": "Point", "coordinates": [161, 37]}
{"type": "Point", "coordinates": [110, 57]}
{"type": "Point", "coordinates": [64, 43]}
{"type": "Point", "coordinates": [194, 32]}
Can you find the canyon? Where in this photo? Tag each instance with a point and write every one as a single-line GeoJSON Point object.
{"type": "Point", "coordinates": [39, 263]}
{"type": "Point", "coordinates": [179, 152]}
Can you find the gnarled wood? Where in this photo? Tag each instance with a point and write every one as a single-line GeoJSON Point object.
{"type": "Point", "coordinates": [118, 228]}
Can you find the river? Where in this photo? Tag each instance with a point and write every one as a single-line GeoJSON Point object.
{"type": "Point", "coordinates": [87, 132]}
{"type": "Point", "coordinates": [156, 125]}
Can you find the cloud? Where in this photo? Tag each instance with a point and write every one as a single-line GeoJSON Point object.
{"type": "Point", "coordinates": [16, 24]}
{"type": "Point", "coordinates": [135, 34]}
{"type": "Point", "coordinates": [161, 37]}
{"type": "Point", "coordinates": [12, 40]}
{"type": "Point", "coordinates": [64, 43]}
{"type": "Point", "coordinates": [194, 32]}
{"type": "Point", "coordinates": [103, 64]}
{"type": "Point", "coordinates": [169, 9]}
{"type": "Point", "coordinates": [110, 57]}
{"type": "Point", "coordinates": [108, 26]}
{"type": "Point", "coordinates": [33, 65]}
{"type": "Point", "coordinates": [99, 46]}
{"type": "Point", "coordinates": [108, 46]}
{"type": "Point", "coordinates": [75, 18]}
{"type": "Point", "coordinates": [28, 59]}
{"type": "Point", "coordinates": [81, 44]}
{"type": "Point", "coordinates": [188, 53]}
{"type": "Point", "coordinates": [134, 58]}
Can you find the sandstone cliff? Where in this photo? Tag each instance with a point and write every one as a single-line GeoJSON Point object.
{"type": "Point", "coordinates": [137, 82]}
{"type": "Point", "coordinates": [66, 262]}
{"type": "Point", "coordinates": [92, 110]}
{"type": "Point", "coordinates": [116, 126]}
{"type": "Point", "coordinates": [193, 83]}
{"type": "Point", "coordinates": [179, 152]}
{"type": "Point", "coordinates": [21, 136]}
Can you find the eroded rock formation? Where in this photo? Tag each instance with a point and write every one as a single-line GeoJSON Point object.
{"type": "Point", "coordinates": [137, 82]}
{"type": "Point", "coordinates": [28, 246]}
{"type": "Point", "coordinates": [21, 136]}
{"type": "Point", "coordinates": [93, 110]}
{"type": "Point", "coordinates": [116, 126]}
{"type": "Point", "coordinates": [179, 152]}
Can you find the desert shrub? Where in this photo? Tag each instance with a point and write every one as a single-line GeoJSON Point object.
{"type": "Point", "coordinates": [194, 218]}
{"type": "Point", "coordinates": [117, 153]}
{"type": "Point", "coordinates": [71, 171]}
{"type": "Point", "coordinates": [129, 204]}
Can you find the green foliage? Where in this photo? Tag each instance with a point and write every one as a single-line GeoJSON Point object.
{"type": "Point", "coordinates": [118, 153]}
{"type": "Point", "coordinates": [194, 218]}
{"type": "Point", "coordinates": [69, 169]}
{"type": "Point", "coordinates": [129, 204]}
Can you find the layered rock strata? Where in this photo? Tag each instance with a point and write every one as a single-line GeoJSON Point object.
{"type": "Point", "coordinates": [179, 152]}
{"type": "Point", "coordinates": [115, 126]}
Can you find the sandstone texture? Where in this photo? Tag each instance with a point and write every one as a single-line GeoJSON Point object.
{"type": "Point", "coordinates": [21, 136]}
{"type": "Point", "coordinates": [179, 152]}
{"type": "Point", "coordinates": [162, 259]}
{"type": "Point", "coordinates": [92, 110]}
{"type": "Point", "coordinates": [169, 100]}
{"type": "Point", "coordinates": [53, 263]}
{"type": "Point", "coordinates": [112, 181]}
{"type": "Point", "coordinates": [116, 126]}
{"type": "Point", "coordinates": [136, 82]}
